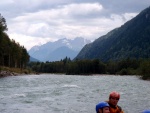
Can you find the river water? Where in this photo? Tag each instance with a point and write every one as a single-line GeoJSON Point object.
{"type": "Point", "coordinates": [48, 93]}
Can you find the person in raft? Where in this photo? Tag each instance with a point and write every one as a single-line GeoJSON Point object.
{"type": "Point", "coordinates": [113, 101]}
{"type": "Point", "coordinates": [102, 107]}
{"type": "Point", "coordinates": [146, 111]}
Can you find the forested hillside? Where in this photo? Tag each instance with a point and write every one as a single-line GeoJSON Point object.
{"type": "Point", "coordinates": [131, 40]}
{"type": "Point", "coordinates": [12, 54]}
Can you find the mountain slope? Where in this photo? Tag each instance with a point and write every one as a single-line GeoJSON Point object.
{"type": "Point", "coordinates": [130, 40]}
{"type": "Point", "coordinates": [61, 53]}
{"type": "Point", "coordinates": [33, 59]}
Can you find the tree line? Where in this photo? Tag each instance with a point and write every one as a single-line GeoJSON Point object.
{"type": "Point", "coordinates": [12, 54]}
{"type": "Point", "coordinates": [86, 67]}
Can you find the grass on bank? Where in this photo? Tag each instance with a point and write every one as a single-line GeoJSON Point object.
{"type": "Point", "coordinates": [16, 70]}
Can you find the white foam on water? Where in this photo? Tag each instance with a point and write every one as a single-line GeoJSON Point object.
{"type": "Point", "coordinates": [18, 95]}
{"type": "Point", "coordinates": [71, 86]}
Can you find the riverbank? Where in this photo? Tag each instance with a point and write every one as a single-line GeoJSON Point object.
{"type": "Point", "coordinates": [6, 71]}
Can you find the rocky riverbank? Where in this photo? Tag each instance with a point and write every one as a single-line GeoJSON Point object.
{"type": "Point", "coordinates": [7, 73]}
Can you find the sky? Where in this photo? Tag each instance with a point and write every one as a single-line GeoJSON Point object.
{"type": "Point", "coordinates": [35, 22]}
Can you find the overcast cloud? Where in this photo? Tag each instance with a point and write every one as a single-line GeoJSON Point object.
{"type": "Point", "coordinates": [34, 22]}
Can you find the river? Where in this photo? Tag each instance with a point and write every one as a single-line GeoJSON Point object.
{"type": "Point", "coordinates": [49, 93]}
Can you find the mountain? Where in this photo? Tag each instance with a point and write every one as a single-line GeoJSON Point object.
{"type": "Point", "coordinates": [55, 51]}
{"type": "Point", "coordinates": [33, 59]}
{"type": "Point", "coordinates": [61, 53]}
{"type": "Point", "coordinates": [131, 40]}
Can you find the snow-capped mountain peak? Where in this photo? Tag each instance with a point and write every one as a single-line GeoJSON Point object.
{"type": "Point", "coordinates": [44, 52]}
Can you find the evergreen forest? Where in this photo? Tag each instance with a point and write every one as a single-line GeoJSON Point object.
{"type": "Point", "coordinates": [12, 54]}
{"type": "Point", "coordinates": [140, 67]}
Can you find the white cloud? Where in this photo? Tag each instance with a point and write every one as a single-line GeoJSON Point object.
{"type": "Point", "coordinates": [41, 21]}
{"type": "Point", "coordinates": [81, 9]}
{"type": "Point", "coordinates": [5, 2]}
{"type": "Point", "coordinates": [128, 16]}
{"type": "Point", "coordinates": [59, 22]}
{"type": "Point", "coordinates": [40, 28]}
{"type": "Point", "coordinates": [29, 41]}
{"type": "Point", "coordinates": [62, 12]}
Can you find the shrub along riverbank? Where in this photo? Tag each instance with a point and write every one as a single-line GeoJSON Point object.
{"type": "Point", "coordinates": [127, 66]}
{"type": "Point", "coordinates": [6, 71]}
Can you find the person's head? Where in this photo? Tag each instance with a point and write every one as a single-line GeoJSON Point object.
{"type": "Point", "coordinates": [146, 111]}
{"type": "Point", "coordinates": [114, 98]}
{"type": "Point", "coordinates": [102, 107]}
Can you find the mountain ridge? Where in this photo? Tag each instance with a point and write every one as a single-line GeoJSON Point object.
{"type": "Point", "coordinates": [49, 51]}
{"type": "Point", "coordinates": [130, 40]}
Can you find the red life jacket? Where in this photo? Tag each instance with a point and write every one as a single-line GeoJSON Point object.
{"type": "Point", "coordinates": [115, 109]}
